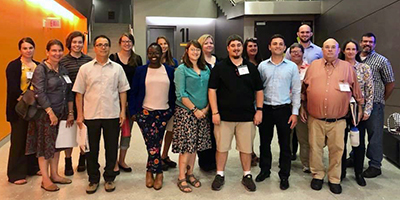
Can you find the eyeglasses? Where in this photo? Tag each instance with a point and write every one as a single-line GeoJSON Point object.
{"type": "Point", "coordinates": [126, 41]}
{"type": "Point", "coordinates": [194, 49]}
{"type": "Point", "coordinates": [251, 39]}
{"type": "Point", "coordinates": [296, 52]}
{"type": "Point", "coordinates": [106, 45]}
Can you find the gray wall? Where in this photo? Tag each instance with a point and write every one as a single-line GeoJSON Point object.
{"type": "Point", "coordinates": [83, 6]}
{"type": "Point", "coordinates": [122, 9]}
{"type": "Point", "coordinates": [224, 28]}
{"type": "Point", "coordinates": [166, 8]}
{"type": "Point", "coordinates": [344, 19]}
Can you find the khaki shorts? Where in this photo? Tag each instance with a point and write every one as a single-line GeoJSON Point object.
{"type": "Point", "coordinates": [244, 133]}
{"type": "Point", "coordinates": [170, 124]}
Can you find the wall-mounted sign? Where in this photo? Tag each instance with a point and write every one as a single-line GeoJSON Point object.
{"type": "Point", "coordinates": [52, 22]}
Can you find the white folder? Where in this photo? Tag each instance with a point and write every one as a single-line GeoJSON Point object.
{"type": "Point", "coordinates": [66, 137]}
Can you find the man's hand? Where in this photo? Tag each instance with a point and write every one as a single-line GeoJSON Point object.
{"type": "Point", "coordinates": [216, 119]}
{"type": "Point", "coordinates": [70, 120]}
{"type": "Point", "coordinates": [122, 118]}
{"type": "Point", "coordinates": [79, 121]}
{"type": "Point", "coordinates": [257, 117]}
{"type": "Point", "coordinates": [292, 121]}
{"type": "Point", "coordinates": [303, 114]}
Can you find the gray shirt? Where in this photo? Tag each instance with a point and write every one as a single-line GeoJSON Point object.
{"type": "Point", "coordinates": [52, 89]}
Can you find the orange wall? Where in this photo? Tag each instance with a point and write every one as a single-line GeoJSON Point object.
{"type": "Point", "coordinates": [22, 18]}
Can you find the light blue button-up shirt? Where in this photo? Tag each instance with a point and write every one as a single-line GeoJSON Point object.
{"type": "Point", "coordinates": [311, 53]}
{"type": "Point", "coordinates": [281, 83]}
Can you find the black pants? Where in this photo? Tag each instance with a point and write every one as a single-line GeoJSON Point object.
{"type": "Point", "coordinates": [207, 159]}
{"type": "Point", "coordinates": [110, 136]}
{"type": "Point", "coordinates": [19, 164]}
{"type": "Point", "coordinates": [358, 152]}
{"type": "Point", "coordinates": [279, 117]}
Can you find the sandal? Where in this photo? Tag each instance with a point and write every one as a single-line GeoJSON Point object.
{"type": "Point", "coordinates": [52, 188]}
{"type": "Point", "coordinates": [194, 182]}
{"type": "Point", "coordinates": [184, 187]}
{"type": "Point", "coordinates": [20, 182]}
{"type": "Point", "coordinates": [62, 180]}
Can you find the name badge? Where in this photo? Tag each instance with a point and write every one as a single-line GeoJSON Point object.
{"type": "Point", "coordinates": [66, 78]}
{"type": "Point", "coordinates": [243, 70]}
{"type": "Point", "coordinates": [29, 75]}
{"type": "Point", "coordinates": [344, 87]}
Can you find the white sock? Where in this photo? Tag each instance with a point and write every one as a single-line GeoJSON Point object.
{"type": "Point", "coordinates": [221, 173]}
{"type": "Point", "coordinates": [246, 172]}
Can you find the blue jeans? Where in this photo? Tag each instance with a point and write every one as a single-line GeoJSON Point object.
{"type": "Point", "coordinates": [374, 127]}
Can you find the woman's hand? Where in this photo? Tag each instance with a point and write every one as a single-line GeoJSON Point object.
{"type": "Point", "coordinates": [70, 120]}
{"type": "Point", "coordinates": [53, 118]}
{"type": "Point", "coordinates": [199, 114]}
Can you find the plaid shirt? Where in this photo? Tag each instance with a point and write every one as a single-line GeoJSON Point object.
{"type": "Point", "coordinates": [382, 73]}
{"type": "Point", "coordinates": [364, 77]}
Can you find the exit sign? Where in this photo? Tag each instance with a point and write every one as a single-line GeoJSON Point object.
{"type": "Point", "coordinates": [52, 22]}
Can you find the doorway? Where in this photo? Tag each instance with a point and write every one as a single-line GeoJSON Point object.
{"type": "Point", "coordinates": [155, 31]}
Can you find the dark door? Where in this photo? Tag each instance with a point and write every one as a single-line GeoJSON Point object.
{"type": "Point", "coordinates": [264, 30]}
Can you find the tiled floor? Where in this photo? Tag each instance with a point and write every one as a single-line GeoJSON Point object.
{"type": "Point", "coordinates": [132, 185]}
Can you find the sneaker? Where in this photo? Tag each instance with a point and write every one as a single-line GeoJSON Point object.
{"type": "Point", "coordinates": [371, 172]}
{"type": "Point", "coordinates": [109, 186]}
{"type": "Point", "coordinates": [218, 182]}
{"type": "Point", "coordinates": [92, 188]}
{"type": "Point", "coordinates": [248, 183]}
{"type": "Point", "coordinates": [306, 170]}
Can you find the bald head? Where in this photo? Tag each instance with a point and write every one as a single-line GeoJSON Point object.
{"type": "Point", "coordinates": [330, 49]}
{"type": "Point", "coordinates": [304, 33]}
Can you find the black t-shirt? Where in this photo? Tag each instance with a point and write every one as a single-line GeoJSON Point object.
{"type": "Point", "coordinates": [128, 69]}
{"type": "Point", "coordinates": [235, 93]}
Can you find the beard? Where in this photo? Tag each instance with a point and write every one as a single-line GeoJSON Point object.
{"type": "Point", "coordinates": [367, 51]}
{"type": "Point", "coordinates": [305, 41]}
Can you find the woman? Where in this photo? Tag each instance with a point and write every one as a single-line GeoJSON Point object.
{"type": "Point", "coordinates": [207, 161]}
{"type": "Point", "coordinates": [191, 125]}
{"type": "Point", "coordinates": [19, 74]}
{"type": "Point", "coordinates": [151, 102]}
{"type": "Point", "coordinates": [167, 60]}
{"type": "Point", "coordinates": [300, 133]}
{"type": "Point", "coordinates": [365, 79]}
{"type": "Point", "coordinates": [52, 88]}
{"type": "Point", "coordinates": [72, 62]}
{"type": "Point", "coordinates": [129, 61]}
{"type": "Point", "coordinates": [250, 51]}
{"type": "Point", "coordinates": [207, 43]}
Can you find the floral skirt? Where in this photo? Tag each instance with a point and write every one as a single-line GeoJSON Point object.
{"type": "Point", "coordinates": [41, 138]}
{"type": "Point", "coordinates": [190, 134]}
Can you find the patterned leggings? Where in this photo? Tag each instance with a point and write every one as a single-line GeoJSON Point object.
{"type": "Point", "coordinates": [152, 125]}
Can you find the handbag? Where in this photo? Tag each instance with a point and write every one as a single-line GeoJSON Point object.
{"type": "Point", "coordinates": [27, 108]}
{"type": "Point", "coordinates": [126, 128]}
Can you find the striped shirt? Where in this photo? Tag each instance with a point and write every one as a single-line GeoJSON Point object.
{"type": "Point", "coordinates": [382, 73]}
{"type": "Point", "coordinates": [73, 64]}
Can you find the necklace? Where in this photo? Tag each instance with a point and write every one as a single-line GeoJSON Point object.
{"type": "Point", "coordinates": [51, 66]}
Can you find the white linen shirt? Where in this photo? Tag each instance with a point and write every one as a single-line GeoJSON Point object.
{"type": "Point", "coordinates": [100, 86]}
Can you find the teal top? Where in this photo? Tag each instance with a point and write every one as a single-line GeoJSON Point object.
{"type": "Point", "coordinates": [191, 85]}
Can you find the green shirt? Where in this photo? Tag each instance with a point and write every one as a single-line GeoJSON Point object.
{"type": "Point", "coordinates": [191, 85]}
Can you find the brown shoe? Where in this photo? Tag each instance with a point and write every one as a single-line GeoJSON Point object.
{"type": "Point", "coordinates": [52, 188]}
{"type": "Point", "coordinates": [149, 179]}
{"type": "Point", "coordinates": [158, 181]}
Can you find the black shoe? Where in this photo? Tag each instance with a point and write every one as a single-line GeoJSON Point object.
{"type": "Point", "coordinates": [343, 176]}
{"type": "Point", "coordinates": [316, 184]}
{"type": "Point", "coordinates": [371, 172]}
{"type": "Point", "coordinates": [284, 184]}
{"type": "Point", "coordinates": [117, 172]}
{"type": "Point", "coordinates": [350, 162]}
{"type": "Point", "coordinates": [169, 162]}
{"type": "Point", "coordinates": [164, 166]}
{"type": "Point", "coordinates": [360, 180]}
{"type": "Point", "coordinates": [82, 163]}
{"type": "Point", "coordinates": [125, 169]}
{"type": "Point", "coordinates": [262, 176]}
{"type": "Point", "coordinates": [218, 182]}
{"type": "Point", "coordinates": [248, 183]}
{"type": "Point", "coordinates": [294, 157]}
{"type": "Point", "coordinates": [335, 188]}
{"type": "Point", "coordinates": [68, 171]}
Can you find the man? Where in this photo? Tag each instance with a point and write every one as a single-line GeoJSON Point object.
{"type": "Point", "coordinates": [383, 77]}
{"type": "Point", "coordinates": [73, 61]}
{"type": "Point", "coordinates": [327, 88]}
{"type": "Point", "coordinates": [103, 85]}
{"type": "Point", "coordinates": [281, 83]}
{"type": "Point", "coordinates": [234, 86]}
{"type": "Point", "coordinates": [311, 51]}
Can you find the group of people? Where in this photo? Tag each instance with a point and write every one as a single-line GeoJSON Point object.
{"type": "Point", "coordinates": [201, 104]}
